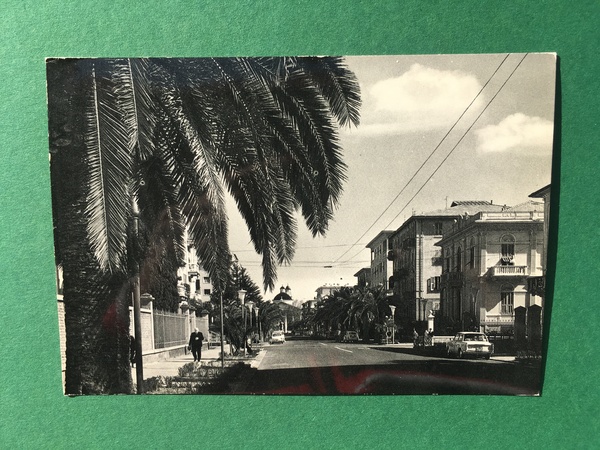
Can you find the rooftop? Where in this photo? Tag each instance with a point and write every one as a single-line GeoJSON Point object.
{"type": "Point", "coordinates": [381, 235]}
{"type": "Point", "coordinates": [460, 208]}
{"type": "Point", "coordinates": [364, 269]}
{"type": "Point", "coordinates": [528, 206]}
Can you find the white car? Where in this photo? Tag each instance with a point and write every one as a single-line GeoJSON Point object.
{"type": "Point", "coordinates": [470, 343]}
{"type": "Point", "coordinates": [277, 337]}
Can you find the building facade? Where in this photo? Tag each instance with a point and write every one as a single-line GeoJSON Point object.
{"type": "Point", "coordinates": [537, 284]}
{"type": "Point", "coordinates": [381, 267]}
{"type": "Point", "coordinates": [487, 259]}
{"type": "Point", "coordinates": [194, 285]}
{"type": "Point", "coordinates": [363, 277]}
{"type": "Point", "coordinates": [290, 313]}
{"type": "Point", "coordinates": [417, 261]}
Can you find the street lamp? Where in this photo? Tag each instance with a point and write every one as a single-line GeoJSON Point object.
{"type": "Point", "coordinates": [258, 322]}
{"type": "Point", "coordinates": [393, 309]}
{"type": "Point", "coordinates": [241, 297]}
{"type": "Point", "coordinates": [250, 305]}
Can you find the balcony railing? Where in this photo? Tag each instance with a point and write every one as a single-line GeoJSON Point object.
{"type": "Point", "coordinates": [508, 271]}
{"type": "Point", "coordinates": [498, 319]}
{"type": "Point", "coordinates": [451, 278]}
{"type": "Point", "coordinates": [537, 286]}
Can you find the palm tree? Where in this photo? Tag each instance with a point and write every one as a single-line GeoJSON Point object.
{"type": "Point", "coordinates": [233, 321]}
{"type": "Point", "coordinates": [369, 306]}
{"type": "Point", "coordinates": [174, 135]}
{"type": "Point", "coordinates": [332, 313]}
{"type": "Point", "coordinates": [269, 317]}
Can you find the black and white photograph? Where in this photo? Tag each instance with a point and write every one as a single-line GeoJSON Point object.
{"type": "Point", "coordinates": [302, 225]}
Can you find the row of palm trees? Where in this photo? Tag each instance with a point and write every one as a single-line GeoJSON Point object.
{"type": "Point", "coordinates": [239, 323]}
{"type": "Point", "coordinates": [363, 309]}
{"type": "Point", "coordinates": [174, 137]}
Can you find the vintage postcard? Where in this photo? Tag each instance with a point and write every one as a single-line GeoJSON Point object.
{"type": "Point", "coordinates": [302, 225]}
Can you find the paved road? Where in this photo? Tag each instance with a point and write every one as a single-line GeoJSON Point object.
{"type": "Point", "coordinates": [326, 367]}
{"type": "Point", "coordinates": [304, 354]}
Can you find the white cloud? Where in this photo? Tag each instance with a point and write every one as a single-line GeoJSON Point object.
{"type": "Point", "coordinates": [420, 99]}
{"type": "Point", "coordinates": [516, 132]}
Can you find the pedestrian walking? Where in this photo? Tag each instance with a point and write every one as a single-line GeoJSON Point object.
{"type": "Point", "coordinates": [195, 344]}
{"type": "Point", "coordinates": [132, 350]}
{"type": "Point", "coordinates": [415, 338]}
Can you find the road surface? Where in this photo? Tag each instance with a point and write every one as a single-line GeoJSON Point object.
{"type": "Point", "coordinates": [327, 367]}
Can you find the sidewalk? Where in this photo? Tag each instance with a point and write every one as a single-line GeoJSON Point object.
{"type": "Point", "coordinates": [170, 367]}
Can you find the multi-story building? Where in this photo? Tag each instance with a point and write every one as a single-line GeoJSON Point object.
{"type": "Point", "coordinates": [487, 258]}
{"type": "Point", "coordinates": [363, 277]}
{"type": "Point", "coordinates": [417, 262]}
{"type": "Point", "coordinates": [194, 285]}
{"type": "Point", "coordinates": [327, 290]}
{"type": "Point", "coordinates": [381, 267]}
{"type": "Point", "coordinates": [537, 284]}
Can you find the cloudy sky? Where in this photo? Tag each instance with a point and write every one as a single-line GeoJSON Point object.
{"type": "Point", "coordinates": [479, 125]}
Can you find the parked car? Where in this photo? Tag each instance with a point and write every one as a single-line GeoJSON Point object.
{"type": "Point", "coordinates": [350, 336]}
{"type": "Point", "coordinates": [278, 337]}
{"type": "Point", "coordinates": [470, 343]}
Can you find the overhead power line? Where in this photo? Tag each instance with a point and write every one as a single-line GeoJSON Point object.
{"type": "Point", "coordinates": [300, 248]}
{"type": "Point", "coordinates": [460, 140]}
{"type": "Point", "coordinates": [426, 160]}
{"type": "Point", "coordinates": [451, 151]}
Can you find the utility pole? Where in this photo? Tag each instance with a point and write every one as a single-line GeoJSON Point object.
{"type": "Point", "coordinates": [222, 332]}
{"type": "Point", "coordinates": [135, 285]}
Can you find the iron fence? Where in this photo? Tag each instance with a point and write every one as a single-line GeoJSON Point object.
{"type": "Point", "coordinates": [169, 329]}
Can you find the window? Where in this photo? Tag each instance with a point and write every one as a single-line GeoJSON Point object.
{"type": "Point", "coordinates": [434, 284]}
{"type": "Point", "coordinates": [206, 291]}
{"type": "Point", "coordinates": [459, 260]}
{"type": "Point", "coordinates": [507, 244]}
{"type": "Point", "coordinates": [197, 284]}
{"type": "Point", "coordinates": [507, 299]}
{"type": "Point", "coordinates": [438, 228]}
{"type": "Point", "coordinates": [472, 258]}
{"type": "Point", "coordinates": [207, 279]}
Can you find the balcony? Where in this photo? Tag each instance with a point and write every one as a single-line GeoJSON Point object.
{"type": "Point", "coordinates": [508, 271]}
{"type": "Point", "coordinates": [192, 269]}
{"type": "Point", "coordinates": [452, 279]}
{"type": "Point", "coordinates": [537, 286]}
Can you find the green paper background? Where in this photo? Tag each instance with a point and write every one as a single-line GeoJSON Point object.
{"type": "Point", "coordinates": [33, 411]}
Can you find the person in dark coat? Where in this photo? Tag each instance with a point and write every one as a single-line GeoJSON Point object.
{"type": "Point", "coordinates": [132, 350]}
{"type": "Point", "coordinates": [195, 344]}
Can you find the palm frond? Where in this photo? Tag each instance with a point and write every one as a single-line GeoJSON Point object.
{"type": "Point", "coordinates": [142, 111]}
{"type": "Point", "coordinates": [108, 149]}
{"type": "Point", "coordinates": [337, 84]}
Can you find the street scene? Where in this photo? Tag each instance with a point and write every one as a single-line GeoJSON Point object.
{"type": "Point", "coordinates": [320, 367]}
{"type": "Point", "coordinates": [302, 225]}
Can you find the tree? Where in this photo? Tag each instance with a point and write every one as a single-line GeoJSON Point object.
{"type": "Point", "coordinates": [352, 308]}
{"type": "Point", "coordinates": [238, 278]}
{"type": "Point", "coordinates": [269, 316]}
{"type": "Point", "coordinates": [368, 308]}
{"type": "Point", "coordinates": [234, 328]}
{"type": "Point", "coordinates": [174, 135]}
{"type": "Point", "coordinates": [332, 312]}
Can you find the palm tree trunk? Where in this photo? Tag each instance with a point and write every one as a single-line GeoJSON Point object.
{"type": "Point", "coordinates": [96, 310]}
